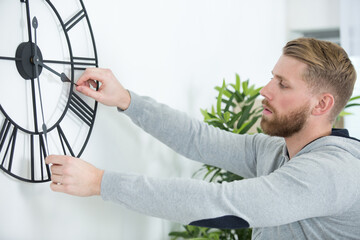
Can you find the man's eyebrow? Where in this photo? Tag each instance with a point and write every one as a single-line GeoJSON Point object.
{"type": "Point", "coordinates": [279, 76]}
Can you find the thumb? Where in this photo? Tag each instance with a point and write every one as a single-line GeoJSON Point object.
{"type": "Point", "coordinates": [87, 91]}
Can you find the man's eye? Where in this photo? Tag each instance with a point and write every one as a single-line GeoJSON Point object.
{"type": "Point", "coordinates": [281, 85]}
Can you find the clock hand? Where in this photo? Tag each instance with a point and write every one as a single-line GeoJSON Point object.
{"type": "Point", "coordinates": [36, 61]}
{"type": "Point", "coordinates": [44, 128]}
{"type": "Point", "coordinates": [62, 76]}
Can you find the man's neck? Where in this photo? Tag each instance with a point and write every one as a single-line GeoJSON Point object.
{"type": "Point", "coordinates": [299, 140]}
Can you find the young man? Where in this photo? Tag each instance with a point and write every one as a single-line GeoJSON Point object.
{"type": "Point", "coordinates": [302, 177]}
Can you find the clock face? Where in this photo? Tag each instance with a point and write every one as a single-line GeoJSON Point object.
{"type": "Point", "coordinates": [44, 48]}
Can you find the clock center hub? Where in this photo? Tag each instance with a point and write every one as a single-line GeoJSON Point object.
{"type": "Point", "coordinates": [26, 60]}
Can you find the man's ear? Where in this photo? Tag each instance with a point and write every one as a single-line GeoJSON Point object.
{"type": "Point", "coordinates": [325, 103]}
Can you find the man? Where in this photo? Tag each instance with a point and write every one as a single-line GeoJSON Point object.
{"type": "Point", "coordinates": [302, 177]}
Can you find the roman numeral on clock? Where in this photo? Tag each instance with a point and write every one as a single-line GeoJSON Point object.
{"type": "Point", "coordinates": [64, 142]}
{"type": "Point", "coordinates": [8, 135]}
{"type": "Point", "coordinates": [42, 156]}
{"type": "Point", "coordinates": [74, 20]}
{"type": "Point", "coordinates": [81, 109]}
{"type": "Point", "coordinates": [81, 63]}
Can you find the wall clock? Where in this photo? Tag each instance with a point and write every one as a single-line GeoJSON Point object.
{"type": "Point", "coordinates": [44, 46]}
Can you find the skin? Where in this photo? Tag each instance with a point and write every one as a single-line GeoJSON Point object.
{"type": "Point", "coordinates": [284, 94]}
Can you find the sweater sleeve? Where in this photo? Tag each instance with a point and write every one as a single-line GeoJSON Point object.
{"type": "Point", "coordinates": [194, 139]}
{"type": "Point", "coordinates": [303, 188]}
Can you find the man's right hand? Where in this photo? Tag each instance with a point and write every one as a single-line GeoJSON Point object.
{"type": "Point", "coordinates": [110, 92]}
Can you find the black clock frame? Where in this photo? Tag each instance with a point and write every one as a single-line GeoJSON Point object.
{"type": "Point", "coordinates": [74, 102]}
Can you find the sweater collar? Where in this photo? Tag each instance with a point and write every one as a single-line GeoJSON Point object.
{"type": "Point", "coordinates": [337, 132]}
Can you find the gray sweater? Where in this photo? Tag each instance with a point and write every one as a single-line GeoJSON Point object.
{"type": "Point", "coordinates": [313, 196]}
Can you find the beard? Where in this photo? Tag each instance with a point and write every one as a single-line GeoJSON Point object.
{"type": "Point", "coordinates": [287, 125]}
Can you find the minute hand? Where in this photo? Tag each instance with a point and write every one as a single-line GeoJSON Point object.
{"type": "Point", "coordinates": [62, 76]}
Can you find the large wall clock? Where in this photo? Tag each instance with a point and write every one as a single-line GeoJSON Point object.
{"type": "Point", "coordinates": [44, 47]}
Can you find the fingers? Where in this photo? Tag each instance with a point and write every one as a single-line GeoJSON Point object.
{"type": "Point", "coordinates": [57, 159]}
{"type": "Point", "coordinates": [87, 80]}
{"type": "Point", "coordinates": [60, 167]}
{"type": "Point", "coordinates": [89, 83]}
{"type": "Point", "coordinates": [56, 187]}
{"type": "Point", "coordinates": [92, 74]}
{"type": "Point", "coordinates": [110, 93]}
{"type": "Point", "coordinates": [57, 169]}
{"type": "Point", "coordinates": [57, 179]}
{"type": "Point", "coordinates": [86, 76]}
{"type": "Point", "coordinates": [60, 188]}
{"type": "Point", "coordinates": [89, 92]}
{"type": "Point", "coordinates": [92, 83]}
{"type": "Point", "coordinates": [74, 176]}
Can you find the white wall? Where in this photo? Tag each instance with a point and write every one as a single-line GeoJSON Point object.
{"type": "Point", "coordinates": [187, 47]}
{"type": "Point", "coordinates": [312, 15]}
{"type": "Point", "coordinates": [350, 37]}
{"type": "Point", "coordinates": [175, 51]}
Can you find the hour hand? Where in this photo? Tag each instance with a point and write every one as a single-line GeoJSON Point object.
{"type": "Point", "coordinates": [62, 76]}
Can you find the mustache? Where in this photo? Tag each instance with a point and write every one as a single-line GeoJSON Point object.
{"type": "Point", "coordinates": [267, 105]}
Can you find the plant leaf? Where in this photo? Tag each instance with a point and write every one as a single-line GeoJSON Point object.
{"type": "Point", "coordinates": [245, 115]}
{"type": "Point", "coordinates": [219, 98]}
{"type": "Point", "coordinates": [226, 116]}
{"type": "Point", "coordinates": [354, 98]}
{"type": "Point", "coordinates": [245, 87]}
{"type": "Point", "coordinates": [248, 125]}
{"type": "Point", "coordinates": [217, 172]}
{"type": "Point", "coordinates": [237, 82]}
{"type": "Point", "coordinates": [227, 93]}
{"type": "Point", "coordinates": [234, 119]}
{"type": "Point", "coordinates": [343, 113]}
{"type": "Point", "coordinates": [239, 96]}
{"type": "Point", "coordinates": [352, 105]}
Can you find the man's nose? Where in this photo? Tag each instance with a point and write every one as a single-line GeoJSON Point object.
{"type": "Point", "coordinates": [266, 91]}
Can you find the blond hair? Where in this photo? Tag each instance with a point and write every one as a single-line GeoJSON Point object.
{"type": "Point", "coordinates": [329, 69]}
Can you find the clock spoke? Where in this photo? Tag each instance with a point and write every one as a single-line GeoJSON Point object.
{"type": "Point", "coordinates": [28, 18]}
{"type": "Point", "coordinates": [57, 62]}
{"type": "Point", "coordinates": [80, 63]}
{"type": "Point", "coordinates": [10, 58]}
{"type": "Point", "coordinates": [33, 96]}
